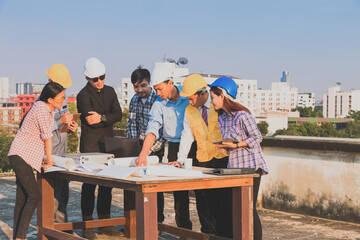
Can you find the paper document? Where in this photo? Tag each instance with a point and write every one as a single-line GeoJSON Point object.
{"type": "Point", "coordinates": [118, 172]}
{"type": "Point", "coordinates": [67, 163]}
{"type": "Point", "coordinates": [171, 171]}
{"type": "Point", "coordinates": [54, 169]}
{"type": "Point", "coordinates": [130, 161]}
{"type": "Point", "coordinates": [90, 167]}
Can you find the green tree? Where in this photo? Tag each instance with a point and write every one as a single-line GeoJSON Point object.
{"type": "Point", "coordinates": [263, 128]}
{"type": "Point", "coordinates": [354, 115]}
{"type": "Point", "coordinates": [352, 130]}
{"type": "Point", "coordinates": [72, 138]}
{"type": "Point", "coordinates": [5, 143]}
{"type": "Point", "coordinates": [327, 130]}
{"type": "Point", "coordinates": [308, 112]}
{"type": "Point", "coordinates": [122, 123]}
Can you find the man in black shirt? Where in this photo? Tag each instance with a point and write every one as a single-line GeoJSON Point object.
{"type": "Point", "coordinates": [100, 109]}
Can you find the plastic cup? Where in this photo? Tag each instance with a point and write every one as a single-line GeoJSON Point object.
{"type": "Point", "coordinates": [188, 163]}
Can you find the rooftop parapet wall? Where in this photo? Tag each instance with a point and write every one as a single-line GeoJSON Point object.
{"type": "Point", "coordinates": [315, 176]}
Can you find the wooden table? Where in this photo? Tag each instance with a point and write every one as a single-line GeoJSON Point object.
{"type": "Point", "coordinates": [140, 204]}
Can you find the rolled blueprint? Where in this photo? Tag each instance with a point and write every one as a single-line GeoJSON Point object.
{"type": "Point", "coordinates": [130, 161]}
{"type": "Point", "coordinates": [67, 163]}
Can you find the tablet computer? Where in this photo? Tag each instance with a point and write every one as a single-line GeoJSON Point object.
{"type": "Point", "coordinates": [65, 127]}
{"type": "Point", "coordinates": [229, 141]}
{"type": "Point", "coordinates": [230, 171]}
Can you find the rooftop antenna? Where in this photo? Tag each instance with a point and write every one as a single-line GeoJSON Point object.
{"type": "Point", "coordinates": [182, 61]}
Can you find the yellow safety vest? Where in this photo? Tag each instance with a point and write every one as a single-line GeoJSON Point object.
{"type": "Point", "coordinates": [205, 135]}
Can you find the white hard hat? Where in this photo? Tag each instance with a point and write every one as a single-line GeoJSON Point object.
{"type": "Point", "coordinates": [94, 68]}
{"type": "Point", "coordinates": [160, 75]}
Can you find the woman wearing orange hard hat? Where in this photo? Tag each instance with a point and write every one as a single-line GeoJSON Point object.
{"type": "Point", "coordinates": [60, 74]}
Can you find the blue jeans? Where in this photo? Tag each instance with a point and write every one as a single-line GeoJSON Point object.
{"type": "Point", "coordinates": [27, 196]}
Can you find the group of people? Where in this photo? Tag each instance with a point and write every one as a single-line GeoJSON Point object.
{"type": "Point", "coordinates": [186, 119]}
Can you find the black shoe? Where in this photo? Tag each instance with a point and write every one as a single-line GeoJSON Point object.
{"type": "Point", "coordinates": [110, 231]}
{"type": "Point", "coordinates": [89, 234]}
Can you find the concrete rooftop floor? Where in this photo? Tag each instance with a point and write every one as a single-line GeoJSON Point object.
{"type": "Point", "coordinates": [276, 225]}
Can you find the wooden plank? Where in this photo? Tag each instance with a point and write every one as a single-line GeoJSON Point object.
{"type": "Point", "coordinates": [90, 224]}
{"type": "Point", "coordinates": [146, 216]}
{"type": "Point", "coordinates": [243, 213]}
{"type": "Point", "coordinates": [96, 180]}
{"type": "Point", "coordinates": [56, 234]}
{"type": "Point", "coordinates": [130, 214]}
{"type": "Point", "coordinates": [188, 233]}
{"type": "Point", "coordinates": [214, 183]}
{"type": "Point", "coordinates": [45, 209]}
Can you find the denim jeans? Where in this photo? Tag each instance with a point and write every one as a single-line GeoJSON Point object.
{"type": "Point", "coordinates": [27, 196]}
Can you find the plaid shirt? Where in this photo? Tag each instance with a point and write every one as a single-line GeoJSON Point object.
{"type": "Point", "coordinates": [29, 142]}
{"type": "Point", "coordinates": [138, 119]}
{"type": "Point", "coordinates": [242, 127]}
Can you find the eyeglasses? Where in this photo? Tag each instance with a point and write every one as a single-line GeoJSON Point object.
{"type": "Point", "coordinates": [102, 77]}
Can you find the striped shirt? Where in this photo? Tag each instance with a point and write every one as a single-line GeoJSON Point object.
{"type": "Point", "coordinates": [29, 142]}
{"type": "Point", "coordinates": [138, 119]}
{"type": "Point", "coordinates": [242, 127]}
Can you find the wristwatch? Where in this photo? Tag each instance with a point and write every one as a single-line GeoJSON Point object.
{"type": "Point", "coordinates": [103, 118]}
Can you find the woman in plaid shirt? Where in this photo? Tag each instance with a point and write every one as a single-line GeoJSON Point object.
{"type": "Point", "coordinates": [237, 123]}
{"type": "Point", "coordinates": [27, 151]}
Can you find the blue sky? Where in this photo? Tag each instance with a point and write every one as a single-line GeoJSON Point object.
{"type": "Point", "coordinates": [317, 41]}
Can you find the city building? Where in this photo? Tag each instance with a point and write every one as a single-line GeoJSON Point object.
{"type": "Point", "coordinates": [338, 123]}
{"type": "Point", "coordinates": [281, 97]}
{"type": "Point", "coordinates": [24, 88]}
{"type": "Point", "coordinates": [306, 100]}
{"type": "Point", "coordinates": [285, 77]}
{"type": "Point", "coordinates": [337, 104]}
{"type": "Point", "coordinates": [25, 102]}
{"type": "Point", "coordinates": [37, 88]}
{"type": "Point", "coordinates": [4, 87]}
{"type": "Point", "coordinates": [10, 112]}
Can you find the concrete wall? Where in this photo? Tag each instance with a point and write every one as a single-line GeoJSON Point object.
{"type": "Point", "coordinates": [315, 176]}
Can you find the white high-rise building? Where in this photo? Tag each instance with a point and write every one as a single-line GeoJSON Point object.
{"type": "Point", "coordinates": [337, 104]}
{"type": "Point", "coordinates": [280, 98]}
{"type": "Point", "coordinates": [306, 100]}
{"type": "Point", "coordinates": [285, 77]}
{"type": "Point", "coordinates": [24, 88]}
{"type": "Point", "coordinates": [4, 87]}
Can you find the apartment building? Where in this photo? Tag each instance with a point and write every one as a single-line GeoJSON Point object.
{"type": "Point", "coordinates": [306, 100]}
{"type": "Point", "coordinates": [10, 112]}
{"type": "Point", "coordinates": [337, 104]}
{"type": "Point", "coordinates": [4, 87]}
{"type": "Point", "coordinates": [281, 97]}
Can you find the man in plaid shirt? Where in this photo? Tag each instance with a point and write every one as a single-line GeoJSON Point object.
{"type": "Point", "coordinates": [138, 119]}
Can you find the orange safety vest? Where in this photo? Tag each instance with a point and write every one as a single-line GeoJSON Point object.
{"type": "Point", "coordinates": [205, 135]}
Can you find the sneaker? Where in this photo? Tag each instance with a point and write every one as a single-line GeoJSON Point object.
{"type": "Point", "coordinates": [110, 231]}
{"type": "Point", "coordinates": [89, 234]}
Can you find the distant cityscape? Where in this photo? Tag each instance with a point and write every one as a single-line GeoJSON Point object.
{"type": "Point", "coordinates": [272, 105]}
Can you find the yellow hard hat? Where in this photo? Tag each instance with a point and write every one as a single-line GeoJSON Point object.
{"type": "Point", "coordinates": [60, 74]}
{"type": "Point", "coordinates": [192, 84]}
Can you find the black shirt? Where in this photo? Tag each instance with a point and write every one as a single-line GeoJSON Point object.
{"type": "Point", "coordinates": [104, 102]}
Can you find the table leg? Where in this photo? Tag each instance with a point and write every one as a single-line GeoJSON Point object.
{"type": "Point", "coordinates": [45, 209]}
{"type": "Point", "coordinates": [130, 214]}
{"type": "Point", "coordinates": [243, 213]}
{"type": "Point", "coordinates": [146, 216]}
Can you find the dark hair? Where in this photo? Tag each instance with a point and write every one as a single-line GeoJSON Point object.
{"type": "Point", "coordinates": [51, 90]}
{"type": "Point", "coordinates": [229, 105]}
{"type": "Point", "coordinates": [140, 74]}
